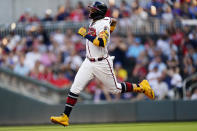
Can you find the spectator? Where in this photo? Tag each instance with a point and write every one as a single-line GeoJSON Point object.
{"type": "Point", "coordinates": [48, 16]}
{"type": "Point", "coordinates": [124, 14]}
{"type": "Point", "coordinates": [70, 35]}
{"type": "Point", "coordinates": [138, 18]}
{"type": "Point", "coordinates": [35, 18]}
{"type": "Point", "coordinates": [48, 74]}
{"type": "Point", "coordinates": [9, 60]}
{"type": "Point", "coordinates": [124, 8]}
{"type": "Point", "coordinates": [194, 95]}
{"type": "Point", "coordinates": [120, 72]}
{"type": "Point", "coordinates": [31, 57]}
{"type": "Point", "coordinates": [173, 56]}
{"type": "Point", "coordinates": [167, 16]}
{"type": "Point", "coordinates": [58, 37]}
{"type": "Point", "coordinates": [29, 39]}
{"type": "Point", "coordinates": [74, 60]}
{"type": "Point", "coordinates": [20, 67]}
{"type": "Point", "coordinates": [43, 35]}
{"type": "Point", "coordinates": [77, 15]}
{"type": "Point", "coordinates": [62, 14]}
{"type": "Point", "coordinates": [26, 17]}
{"type": "Point", "coordinates": [163, 45]}
{"type": "Point", "coordinates": [153, 78]}
{"type": "Point", "coordinates": [139, 72]}
{"type": "Point", "coordinates": [189, 67]}
{"type": "Point", "coordinates": [162, 89]}
{"type": "Point", "coordinates": [177, 38]}
{"type": "Point", "coordinates": [135, 48]}
{"type": "Point", "coordinates": [60, 81]}
{"type": "Point", "coordinates": [192, 52]}
{"type": "Point", "coordinates": [157, 62]}
{"type": "Point", "coordinates": [117, 48]}
{"type": "Point", "coordinates": [155, 8]}
{"type": "Point", "coordinates": [177, 12]}
{"type": "Point", "coordinates": [193, 9]}
{"type": "Point", "coordinates": [150, 48]}
{"type": "Point", "coordinates": [48, 58]}
{"type": "Point", "coordinates": [35, 72]}
{"type": "Point", "coordinates": [100, 92]}
{"type": "Point", "coordinates": [176, 82]}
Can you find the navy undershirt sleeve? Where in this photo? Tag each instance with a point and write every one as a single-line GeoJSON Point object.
{"type": "Point", "coordinates": [90, 38]}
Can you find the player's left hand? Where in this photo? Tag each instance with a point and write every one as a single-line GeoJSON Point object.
{"type": "Point", "coordinates": [82, 31]}
{"type": "Point", "coordinates": [113, 24]}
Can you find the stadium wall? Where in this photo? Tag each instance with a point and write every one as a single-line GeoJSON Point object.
{"type": "Point", "coordinates": [16, 109]}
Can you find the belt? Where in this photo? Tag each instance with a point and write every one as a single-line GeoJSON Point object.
{"type": "Point", "coordinates": [96, 59]}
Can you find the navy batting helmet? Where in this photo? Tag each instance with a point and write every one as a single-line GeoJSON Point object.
{"type": "Point", "coordinates": [97, 10]}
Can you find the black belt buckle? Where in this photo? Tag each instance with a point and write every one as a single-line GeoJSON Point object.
{"type": "Point", "coordinates": [100, 59]}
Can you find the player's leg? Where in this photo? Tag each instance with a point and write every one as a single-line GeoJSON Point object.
{"type": "Point", "coordinates": [83, 76]}
{"type": "Point", "coordinates": [105, 73]}
{"type": "Point", "coordinates": [142, 87]}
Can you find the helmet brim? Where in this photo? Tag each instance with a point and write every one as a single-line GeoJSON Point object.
{"type": "Point", "coordinates": [95, 8]}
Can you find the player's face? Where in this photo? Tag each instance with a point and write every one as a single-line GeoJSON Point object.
{"type": "Point", "coordinates": [91, 11]}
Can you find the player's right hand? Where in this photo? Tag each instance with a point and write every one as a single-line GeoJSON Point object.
{"type": "Point", "coordinates": [82, 31]}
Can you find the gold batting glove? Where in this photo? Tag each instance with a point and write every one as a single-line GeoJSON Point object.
{"type": "Point", "coordinates": [82, 31]}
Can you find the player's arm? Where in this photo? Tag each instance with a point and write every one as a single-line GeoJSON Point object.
{"type": "Point", "coordinates": [113, 24]}
{"type": "Point", "coordinates": [99, 40]}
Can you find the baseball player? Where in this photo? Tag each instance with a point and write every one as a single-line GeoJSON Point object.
{"type": "Point", "coordinates": [98, 63]}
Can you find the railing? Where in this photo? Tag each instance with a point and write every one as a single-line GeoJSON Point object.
{"type": "Point", "coordinates": [22, 28]}
{"type": "Point", "coordinates": [35, 89]}
{"type": "Point", "coordinates": [149, 26]}
{"type": "Point", "coordinates": [192, 86]}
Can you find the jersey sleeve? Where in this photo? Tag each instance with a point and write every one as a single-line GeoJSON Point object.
{"type": "Point", "coordinates": [103, 33]}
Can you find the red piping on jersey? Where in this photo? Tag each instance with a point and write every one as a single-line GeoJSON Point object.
{"type": "Point", "coordinates": [89, 49]}
{"type": "Point", "coordinates": [113, 75]}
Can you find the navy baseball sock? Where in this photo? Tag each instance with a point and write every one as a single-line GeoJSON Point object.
{"type": "Point", "coordinates": [70, 102]}
{"type": "Point", "coordinates": [126, 87]}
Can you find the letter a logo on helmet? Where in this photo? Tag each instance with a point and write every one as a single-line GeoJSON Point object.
{"type": "Point", "coordinates": [97, 10]}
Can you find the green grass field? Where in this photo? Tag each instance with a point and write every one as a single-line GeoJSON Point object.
{"type": "Point", "coordinates": [166, 126]}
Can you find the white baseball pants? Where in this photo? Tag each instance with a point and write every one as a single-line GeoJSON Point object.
{"type": "Point", "coordinates": [102, 70]}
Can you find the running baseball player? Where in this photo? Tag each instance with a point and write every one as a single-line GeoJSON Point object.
{"type": "Point", "coordinates": [98, 63]}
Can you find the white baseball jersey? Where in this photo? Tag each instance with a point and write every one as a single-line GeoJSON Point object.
{"type": "Point", "coordinates": [93, 51]}
{"type": "Point", "coordinates": [102, 70]}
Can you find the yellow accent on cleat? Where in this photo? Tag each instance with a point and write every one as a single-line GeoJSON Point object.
{"type": "Point", "coordinates": [148, 91]}
{"type": "Point", "coordinates": [62, 120]}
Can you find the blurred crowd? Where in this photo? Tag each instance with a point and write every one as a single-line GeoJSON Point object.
{"type": "Point", "coordinates": [136, 11]}
{"type": "Point", "coordinates": [55, 58]}
{"type": "Point", "coordinates": [165, 60]}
